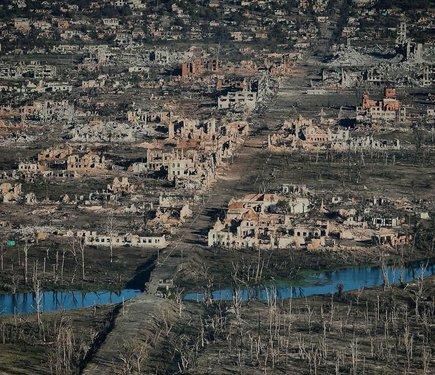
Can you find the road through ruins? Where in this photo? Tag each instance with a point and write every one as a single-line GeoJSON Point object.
{"type": "Point", "coordinates": [140, 318]}
{"type": "Point", "coordinates": [174, 175]}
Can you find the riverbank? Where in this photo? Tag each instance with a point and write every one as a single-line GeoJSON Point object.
{"type": "Point", "coordinates": [307, 282]}
{"type": "Point", "coordinates": [59, 267]}
{"type": "Point", "coordinates": [322, 283]}
{"type": "Point", "coordinates": [217, 267]}
{"type": "Point", "coordinates": [70, 299]}
{"type": "Point", "coordinates": [49, 301]}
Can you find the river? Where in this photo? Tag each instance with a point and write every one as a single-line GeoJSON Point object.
{"type": "Point", "coordinates": [322, 283]}
{"type": "Point", "coordinates": [25, 303]}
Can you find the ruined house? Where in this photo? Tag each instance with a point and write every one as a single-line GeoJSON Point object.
{"type": "Point", "coordinates": [182, 165]}
{"type": "Point", "coordinates": [53, 154]}
{"type": "Point", "coordinates": [29, 168]}
{"type": "Point", "coordinates": [197, 67]}
{"type": "Point", "coordinates": [410, 50]}
{"type": "Point", "coordinates": [121, 185]}
{"type": "Point", "coordinates": [241, 100]}
{"type": "Point", "coordinates": [87, 163]}
{"type": "Point", "coordinates": [92, 238]}
{"type": "Point", "coordinates": [303, 134]}
{"type": "Point", "coordinates": [388, 109]}
{"type": "Point", "coordinates": [194, 149]}
{"type": "Point", "coordinates": [265, 221]}
{"type": "Point", "coordinates": [99, 131]}
{"type": "Point", "coordinates": [10, 192]}
{"type": "Point", "coordinates": [390, 237]}
{"type": "Point", "coordinates": [277, 221]}
{"type": "Point", "coordinates": [169, 214]}
{"type": "Point", "coordinates": [48, 110]}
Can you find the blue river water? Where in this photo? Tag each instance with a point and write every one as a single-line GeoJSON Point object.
{"type": "Point", "coordinates": [323, 283]}
{"type": "Point", "coordinates": [25, 303]}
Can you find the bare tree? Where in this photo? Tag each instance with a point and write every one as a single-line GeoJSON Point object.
{"type": "Point", "coordinates": [82, 255]}
{"type": "Point", "coordinates": [26, 251]}
{"type": "Point", "coordinates": [132, 356]}
{"type": "Point", "coordinates": [61, 358]}
{"type": "Point", "coordinates": [38, 296]}
{"type": "Point", "coordinates": [2, 254]}
{"type": "Point", "coordinates": [109, 228]}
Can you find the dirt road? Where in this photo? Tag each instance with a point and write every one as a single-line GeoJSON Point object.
{"type": "Point", "coordinates": [142, 316]}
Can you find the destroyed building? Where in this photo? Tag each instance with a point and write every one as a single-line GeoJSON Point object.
{"type": "Point", "coordinates": [10, 192]}
{"type": "Point", "coordinates": [87, 163]}
{"type": "Point", "coordinates": [304, 134]}
{"type": "Point", "coordinates": [99, 131]}
{"type": "Point", "coordinates": [388, 109]}
{"type": "Point", "coordinates": [290, 220]}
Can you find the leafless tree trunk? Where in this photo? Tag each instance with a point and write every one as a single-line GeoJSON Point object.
{"type": "Point", "coordinates": [110, 226]}
{"type": "Point", "coordinates": [384, 271]}
{"type": "Point", "coordinates": [82, 254]}
{"type": "Point", "coordinates": [26, 251]}
{"type": "Point", "coordinates": [2, 254]}
{"type": "Point", "coordinates": [132, 356]}
{"type": "Point", "coordinates": [56, 266]}
{"type": "Point", "coordinates": [38, 296]}
{"type": "Point", "coordinates": [62, 265]}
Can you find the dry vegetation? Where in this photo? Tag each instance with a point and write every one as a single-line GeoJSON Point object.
{"type": "Point", "coordinates": [70, 266]}
{"type": "Point", "coordinates": [51, 343]}
{"type": "Point", "coordinates": [373, 331]}
{"type": "Point", "coordinates": [219, 267]}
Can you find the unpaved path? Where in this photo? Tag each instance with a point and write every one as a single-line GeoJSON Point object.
{"type": "Point", "coordinates": [142, 316]}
